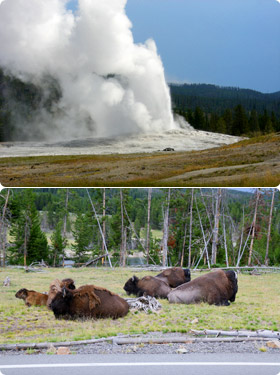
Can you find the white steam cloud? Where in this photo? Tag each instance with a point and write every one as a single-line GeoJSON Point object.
{"type": "Point", "coordinates": [110, 85]}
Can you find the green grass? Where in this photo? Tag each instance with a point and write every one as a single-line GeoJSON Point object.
{"type": "Point", "coordinates": [256, 307]}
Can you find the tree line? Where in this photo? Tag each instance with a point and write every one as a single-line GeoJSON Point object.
{"type": "Point", "coordinates": [227, 110]}
{"type": "Point", "coordinates": [172, 227]}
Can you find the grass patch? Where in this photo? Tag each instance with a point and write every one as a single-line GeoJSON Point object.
{"type": "Point", "coordinates": [256, 307]}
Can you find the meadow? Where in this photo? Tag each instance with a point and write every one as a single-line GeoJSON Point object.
{"type": "Point", "coordinates": [251, 162]}
{"type": "Point", "coordinates": [256, 307]}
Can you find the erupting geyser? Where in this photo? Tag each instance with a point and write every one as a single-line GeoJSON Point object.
{"type": "Point", "coordinates": [108, 84]}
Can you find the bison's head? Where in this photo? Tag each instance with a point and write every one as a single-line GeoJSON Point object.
{"type": "Point", "coordinates": [131, 285]}
{"type": "Point", "coordinates": [68, 283]}
{"type": "Point", "coordinates": [60, 305]}
{"type": "Point", "coordinates": [187, 275]}
{"type": "Point", "coordinates": [232, 277]}
{"type": "Point", "coordinates": [22, 293]}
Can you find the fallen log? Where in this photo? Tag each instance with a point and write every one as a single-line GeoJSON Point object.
{"type": "Point", "coordinates": [182, 340]}
{"type": "Point", "coordinates": [260, 333]}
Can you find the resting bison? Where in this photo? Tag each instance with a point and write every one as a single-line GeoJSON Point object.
{"type": "Point", "coordinates": [175, 276]}
{"type": "Point", "coordinates": [88, 301]}
{"type": "Point", "coordinates": [31, 297]}
{"type": "Point", "coordinates": [150, 285]}
{"type": "Point", "coordinates": [216, 288]}
{"type": "Point", "coordinates": [56, 286]}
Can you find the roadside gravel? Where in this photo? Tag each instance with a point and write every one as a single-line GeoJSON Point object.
{"type": "Point", "coordinates": [255, 347]}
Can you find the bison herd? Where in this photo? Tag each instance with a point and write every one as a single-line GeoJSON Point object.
{"type": "Point", "coordinates": [90, 301]}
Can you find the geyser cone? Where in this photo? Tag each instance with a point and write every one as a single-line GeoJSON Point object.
{"type": "Point", "coordinates": [107, 84]}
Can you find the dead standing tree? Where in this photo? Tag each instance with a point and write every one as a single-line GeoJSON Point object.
{"type": "Point", "coordinates": [253, 226]}
{"type": "Point", "coordinates": [269, 227]}
{"type": "Point", "coordinates": [218, 199]}
{"type": "Point", "coordinates": [3, 229]}
{"type": "Point", "coordinates": [148, 225]}
{"type": "Point", "coordinates": [165, 231]}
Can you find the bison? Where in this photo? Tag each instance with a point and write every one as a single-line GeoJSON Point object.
{"type": "Point", "coordinates": [88, 301]}
{"type": "Point", "coordinates": [175, 276]}
{"type": "Point", "coordinates": [56, 286]}
{"type": "Point", "coordinates": [31, 297]}
{"type": "Point", "coordinates": [149, 285]}
{"type": "Point", "coordinates": [218, 288]}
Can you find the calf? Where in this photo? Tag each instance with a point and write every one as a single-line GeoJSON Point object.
{"type": "Point", "coordinates": [31, 297]}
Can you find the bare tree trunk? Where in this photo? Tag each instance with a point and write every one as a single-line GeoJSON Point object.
{"type": "Point", "coordinates": [190, 239]}
{"type": "Point", "coordinates": [103, 216]}
{"type": "Point", "coordinates": [2, 225]}
{"type": "Point", "coordinates": [207, 211]}
{"type": "Point", "coordinates": [253, 228]}
{"type": "Point", "coordinates": [241, 240]}
{"type": "Point", "coordinates": [225, 237]}
{"type": "Point", "coordinates": [204, 237]}
{"type": "Point", "coordinates": [183, 246]}
{"type": "Point", "coordinates": [25, 244]}
{"type": "Point", "coordinates": [65, 221]}
{"type": "Point", "coordinates": [148, 225]}
{"type": "Point", "coordinates": [216, 226]}
{"type": "Point", "coordinates": [65, 215]}
{"type": "Point", "coordinates": [165, 232]}
{"type": "Point", "coordinates": [100, 229]}
{"type": "Point", "coordinates": [4, 236]}
{"type": "Point", "coordinates": [122, 256]}
{"type": "Point", "coordinates": [269, 227]}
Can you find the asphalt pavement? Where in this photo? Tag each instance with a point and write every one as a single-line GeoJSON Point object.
{"type": "Point", "coordinates": [110, 364]}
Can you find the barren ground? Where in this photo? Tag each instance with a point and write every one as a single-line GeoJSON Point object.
{"type": "Point", "coordinates": [253, 162]}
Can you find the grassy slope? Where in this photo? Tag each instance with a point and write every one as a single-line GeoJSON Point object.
{"type": "Point", "coordinates": [256, 307]}
{"type": "Point", "coordinates": [254, 162]}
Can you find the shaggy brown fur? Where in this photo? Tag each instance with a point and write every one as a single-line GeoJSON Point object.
{"type": "Point", "coordinates": [56, 286]}
{"type": "Point", "coordinates": [175, 276]}
{"type": "Point", "coordinates": [31, 297]}
{"type": "Point", "coordinates": [88, 301]}
{"type": "Point", "coordinates": [149, 285]}
{"type": "Point", "coordinates": [217, 287]}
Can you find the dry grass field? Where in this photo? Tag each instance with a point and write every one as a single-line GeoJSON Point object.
{"type": "Point", "coordinates": [252, 162]}
{"type": "Point", "coordinates": [256, 307]}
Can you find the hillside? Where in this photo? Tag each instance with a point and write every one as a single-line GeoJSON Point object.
{"type": "Point", "coordinates": [216, 98]}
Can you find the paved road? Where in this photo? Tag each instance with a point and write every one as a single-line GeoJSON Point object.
{"type": "Point", "coordinates": [190, 364]}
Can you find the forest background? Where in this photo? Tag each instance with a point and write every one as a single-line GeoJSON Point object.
{"type": "Point", "coordinates": [118, 227]}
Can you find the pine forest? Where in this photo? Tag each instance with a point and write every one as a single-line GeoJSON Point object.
{"type": "Point", "coordinates": [196, 228]}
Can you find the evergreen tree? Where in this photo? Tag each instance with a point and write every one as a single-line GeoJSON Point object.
{"type": "Point", "coordinates": [83, 235]}
{"type": "Point", "coordinates": [254, 126]}
{"type": "Point", "coordinates": [199, 119]}
{"type": "Point", "coordinates": [240, 121]}
{"type": "Point", "coordinates": [213, 122]}
{"type": "Point", "coordinates": [227, 116]}
{"type": "Point", "coordinates": [221, 126]}
{"type": "Point", "coordinates": [58, 244]}
{"type": "Point", "coordinates": [30, 243]}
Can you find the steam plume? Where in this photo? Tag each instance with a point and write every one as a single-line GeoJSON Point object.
{"type": "Point", "coordinates": [109, 85]}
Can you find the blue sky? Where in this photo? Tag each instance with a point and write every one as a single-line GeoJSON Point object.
{"type": "Point", "coordinates": [224, 42]}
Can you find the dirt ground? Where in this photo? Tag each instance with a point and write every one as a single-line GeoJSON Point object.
{"type": "Point", "coordinates": [253, 162]}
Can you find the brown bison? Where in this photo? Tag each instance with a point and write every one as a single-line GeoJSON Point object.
{"type": "Point", "coordinates": [88, 301]}
{"type": "Point", "coordinates": [56, 286]}
{"type": "Point", "coordinates": [175, 276]}
{"type": "Point", "coordinates": [31, 297]}
{"type": "Point", "coordinates": [149, 285]}
{"type": "Point", "coordinates": [218, 288]}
